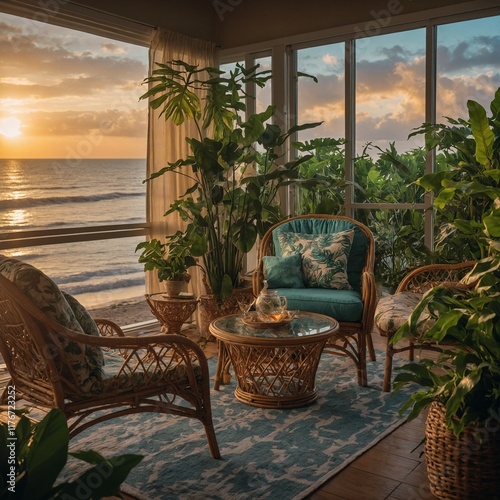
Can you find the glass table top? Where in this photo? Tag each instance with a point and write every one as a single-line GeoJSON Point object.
{"type": "Point", "coordinates": [303, 325]}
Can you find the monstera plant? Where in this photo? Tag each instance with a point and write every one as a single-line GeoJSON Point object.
{"type": "Point", "coordinates": [235, 165]}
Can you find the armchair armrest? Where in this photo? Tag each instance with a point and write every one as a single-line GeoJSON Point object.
{"type": "Point", "coordinates": [108, 328]}
{"type": "Point", "coordinates": [426, 277]}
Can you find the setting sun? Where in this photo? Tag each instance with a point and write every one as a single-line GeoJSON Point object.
{"type": "Point", "coordinates": [10, 127]}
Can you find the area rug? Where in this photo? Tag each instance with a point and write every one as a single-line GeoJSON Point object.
{"type": "Point", "coordinates": [278, 454]}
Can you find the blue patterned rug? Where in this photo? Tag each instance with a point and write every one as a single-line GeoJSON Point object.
{"type": "Point", "coordinates": [278, 454]}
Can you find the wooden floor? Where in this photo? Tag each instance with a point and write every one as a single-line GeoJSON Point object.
{"type": "Point", "coordinates": [392, 469]}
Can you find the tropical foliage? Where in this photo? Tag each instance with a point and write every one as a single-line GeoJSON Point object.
{"type": "Point", "coordinates": [171, 260]}
{"type": "Point", "coordinates": [235, 165]}
{"type": "Point", "coordinates": [466, 378]}
{"type": "Point", "coordinates": [32, 456]}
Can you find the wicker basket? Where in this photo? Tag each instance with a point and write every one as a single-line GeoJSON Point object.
{"type": "Point", "coordinates": [467, 467]}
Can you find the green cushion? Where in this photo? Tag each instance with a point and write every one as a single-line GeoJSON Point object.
{"type": "Point", "coordinates": [343, 305]}
{"type": "Point", "coordinates": [311, 225]}
{"type": "Point", "coordinates": [283, 271]}
{"type": "Point", "coordinates": [85, 361]}
{"type": "Point", "coordinates": [324, 256]}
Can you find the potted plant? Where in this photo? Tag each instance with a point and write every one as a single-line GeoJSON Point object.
{"type": "Point", "coordinates": [235, 166]}
{"type": "Point", "coordinates": [34, 454]}
{"type": "Point", "coordinates": [462, 387]}
{"type": "Point", "coordinates": [171, 260]}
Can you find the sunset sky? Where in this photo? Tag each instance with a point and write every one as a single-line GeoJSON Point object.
{"type": "Point", "coordinates": [67, 94]}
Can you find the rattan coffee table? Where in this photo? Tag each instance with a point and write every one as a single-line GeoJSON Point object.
{"type": "Point", "coordinates": [275, 367]}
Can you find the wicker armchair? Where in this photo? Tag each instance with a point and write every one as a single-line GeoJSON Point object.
{"type": "Point", "coordinates": [161, 373]}
{"type": "Point", "coordinates": [393, 311]}
{"type": "Point", "coordinates": [354, 308]}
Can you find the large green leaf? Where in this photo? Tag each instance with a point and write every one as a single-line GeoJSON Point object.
{"type": "Point", "coordinates": [47, 454]}
{"type": "Point", "coordinates": [102, 480]}
{"type": "Point", "coordinates": [482, 133]}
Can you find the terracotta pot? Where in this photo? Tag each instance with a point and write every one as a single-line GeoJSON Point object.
{"type": "Point", "coordinates": [174, 288]}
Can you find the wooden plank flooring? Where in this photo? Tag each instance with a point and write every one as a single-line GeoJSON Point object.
{"type": "Point", "coordinates": [393, 469]}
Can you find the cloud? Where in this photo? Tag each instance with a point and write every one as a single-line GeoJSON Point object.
{"type": "Point", "coordinates": [479, 51]}
{"type": "Point", "coordinates": [110, 122]}
{"type": "Point", "coordinates": [55, 67]}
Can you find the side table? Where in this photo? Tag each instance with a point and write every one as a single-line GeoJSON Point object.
{"type": "Point", "coordinates": [171, 312]}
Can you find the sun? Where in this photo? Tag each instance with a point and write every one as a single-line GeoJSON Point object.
{"type": "Point", "coordinates": [10, 127]}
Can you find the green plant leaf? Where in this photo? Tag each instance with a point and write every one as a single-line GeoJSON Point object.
{"type": "Point", "coordinates": [482, 133]}
{"type": "Point", "coordinates": [48, 447]}
{"type": "Point", "coordinates": [102, 480]}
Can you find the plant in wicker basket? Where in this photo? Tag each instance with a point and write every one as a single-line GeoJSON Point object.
{"type": "Point", "coordinates": [462, 387]}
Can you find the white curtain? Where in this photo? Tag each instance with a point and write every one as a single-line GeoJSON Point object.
{"type": "Point", "coordinates": [166, 142]}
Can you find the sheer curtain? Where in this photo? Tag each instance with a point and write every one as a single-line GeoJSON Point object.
{"type": "Point", "coordinates": [166, 142]}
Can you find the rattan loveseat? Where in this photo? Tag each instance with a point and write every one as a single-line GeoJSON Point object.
{"type": "Point", "coordinates": [58, 358]}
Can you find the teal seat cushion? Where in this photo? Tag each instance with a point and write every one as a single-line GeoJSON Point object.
{"type": "Point", "coordinates": [311, 225]}
{"type": "Point", "coordinates": [343, 305]}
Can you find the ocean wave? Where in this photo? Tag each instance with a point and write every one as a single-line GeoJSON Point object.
{"type": "Point", "coordinates": [114, 273]}
{"type": "Point", "coordinates": [75, 223]}
{"type": "Point", "coordinates": [77, 289]}
{"type": "Point", "coordinates": [18, 203]}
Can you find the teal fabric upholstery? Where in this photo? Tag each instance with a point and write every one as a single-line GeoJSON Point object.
{"type": "Point", "coordinates": [357, 253]}
{"type": "Point", "coordinates": [86, 361]}
{"type": "Point", "coordinates": [283, 271]}
{"type": "Point", "coordinates": [343, 305]}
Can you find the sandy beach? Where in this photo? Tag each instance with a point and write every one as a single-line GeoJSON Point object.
{"type": "Point", "coordinates": [126, 312]}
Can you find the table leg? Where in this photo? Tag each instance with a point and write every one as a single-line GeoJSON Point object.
{"type": "Point", "coordinates": [222, 375]}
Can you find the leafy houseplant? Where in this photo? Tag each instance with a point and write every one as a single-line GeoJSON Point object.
{"type": "Point", "coordinates": [171, 260]}
{"type": "Point", "coordinates": [234, 165]}
{"type": "Point", "coordinates": [32, 455]}
{"type": "Point", "coordinates": [464, 382]}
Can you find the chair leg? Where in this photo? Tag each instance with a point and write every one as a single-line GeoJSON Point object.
{"type": "Point", "coordinates": [362, 375]}
{"type": "Point", "coordinates": [212, 441]}
{"type": "Point", "coordinates": [371, 349]}
{"type": "Point", "coordinates": [389, 353]}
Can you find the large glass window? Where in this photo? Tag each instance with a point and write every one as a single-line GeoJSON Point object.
{"type": "Point", "coordinates": [390, 102]}
{"type": "Point", "coordinates": [73, 147]}
{"type": "Point", "coordinates": [468, 65]}
{"type": "Point", "coordinates": [321, 98]}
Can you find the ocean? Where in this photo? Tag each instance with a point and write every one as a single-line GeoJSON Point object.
{"type": "Point", "coordinates": [50, 194]}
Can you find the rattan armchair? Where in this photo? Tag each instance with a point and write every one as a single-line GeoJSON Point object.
{"type": "Point", "coordinates": [160, 373]}
{"type": "Point", "coordinates": [392, 311]}
{"type": "Point", "coordinates": [354, 309]}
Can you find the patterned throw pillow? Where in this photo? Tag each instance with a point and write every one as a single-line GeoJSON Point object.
{"type": "Point", "coordinates": [283, 272]}
{"type": "Point", "coordinates": [86, 362]}
{"type": "Point", "coordinates": [324, 257]}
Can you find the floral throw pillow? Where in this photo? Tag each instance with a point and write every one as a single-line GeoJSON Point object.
{"type": "Point", "coordinates": [324, 257]}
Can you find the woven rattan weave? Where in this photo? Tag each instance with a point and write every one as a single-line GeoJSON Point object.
{"type": "Point", "coordinates": [465, 467]}
{"type": "Point", "coordinates": [160, 373]}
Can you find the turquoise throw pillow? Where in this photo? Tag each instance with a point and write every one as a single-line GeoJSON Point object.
{"type": "Point", "coordinates": [283, 272]}
{"type": "Point", "coordinates": [324, 257]}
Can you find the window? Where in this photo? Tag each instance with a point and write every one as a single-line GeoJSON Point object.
{"type": "Point", "coordinates": [73, 136]}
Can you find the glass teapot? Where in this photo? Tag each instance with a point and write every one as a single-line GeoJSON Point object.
{"type": "Point", "coordinates": [269, 305]}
